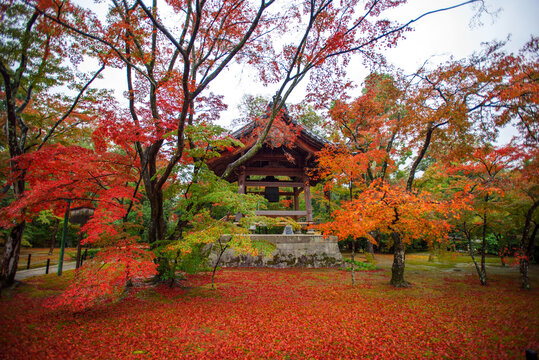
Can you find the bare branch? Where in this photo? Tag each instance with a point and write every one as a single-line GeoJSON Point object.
{"type": "Point", "coordinates": [70, 110]}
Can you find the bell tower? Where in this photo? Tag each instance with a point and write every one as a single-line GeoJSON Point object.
{"type": "Point", "coordinates": [282, 168]}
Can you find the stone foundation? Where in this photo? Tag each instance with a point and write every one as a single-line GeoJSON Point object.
{"type": "Point", "coordinates": [297, 250]}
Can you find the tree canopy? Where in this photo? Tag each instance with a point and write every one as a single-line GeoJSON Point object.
{"type": "Point", "coordinates": [414, 157]}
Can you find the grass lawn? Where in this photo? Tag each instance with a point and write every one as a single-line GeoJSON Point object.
{"type": "Point", "coordinates": [284, 314]}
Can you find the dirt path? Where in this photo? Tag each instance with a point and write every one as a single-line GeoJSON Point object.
{"type": "Point", "coordinates": [53, 269]}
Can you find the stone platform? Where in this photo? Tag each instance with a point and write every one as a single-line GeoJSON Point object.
{"type": "Point", "coordinates": [296, 250]}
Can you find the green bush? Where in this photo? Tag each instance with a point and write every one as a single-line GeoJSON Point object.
{"type": "Point", "coordinates": [195, 261]}
{"type": "Point", "coordinates": [171, 262]}
{"type": "Point", "coordinates": [165, 269]}
{"type": "Point", "coordinates": [370, 259]}
{"type": "Point", "coordinates": [25, 243]}
{"type": "Point", "coordinates": [492, 247]}
{"type": "Point", "coordinates": [91, 253]}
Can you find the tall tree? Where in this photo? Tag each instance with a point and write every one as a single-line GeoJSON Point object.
{"type": "Point", "coordinates": [447, 110]}
{"type": "Point", "coordinates": [329, 35]}
{"type": "Point", "coordinates": [485, 176]}
{"type": "Point", "coordinates": [519, 103]}
{"type": "Point", "coordinates": [32, 63]}
{"type": "Point", "coordinates": [169, 72]}
{"type": "Point", "coordinates": [367, 130]}
{"type": "Point", "coordinates": [178, 67]}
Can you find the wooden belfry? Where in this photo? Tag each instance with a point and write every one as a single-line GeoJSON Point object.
{"type": "Point", "coordinates": [292, 161]}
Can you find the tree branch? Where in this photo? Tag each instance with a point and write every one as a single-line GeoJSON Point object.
{"type": "Point", "coordinates": [73, 106]}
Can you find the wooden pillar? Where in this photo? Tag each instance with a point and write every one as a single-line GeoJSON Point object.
{"type": "Point", "coordinates": [296, 198]}
{"type": "Point", "coordinates": [296, 201]}
{"type": "Point", "coordinates": [308, 206]}
{"type": "Point", "coordinates": [241, 187]}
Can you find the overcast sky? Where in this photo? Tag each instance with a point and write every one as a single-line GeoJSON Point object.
{"type": "Point", "coordinates": [455, 33]}
{"type": "Point", "coordinates": [436, 37]}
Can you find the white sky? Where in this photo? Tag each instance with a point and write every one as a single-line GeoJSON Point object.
{"type": "Point", "coordinates": [436, 37]}
{"type": "Point", "coordinates": [451, 33]}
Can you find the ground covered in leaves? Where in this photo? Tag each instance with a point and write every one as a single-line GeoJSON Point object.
{"type": "Point", "coordinates": [280, 314]}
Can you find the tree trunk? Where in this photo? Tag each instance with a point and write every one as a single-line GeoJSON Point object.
{"type": "Point", "coordinates": [484, 246]}
{"type": "Point", "coordinates": [482, 275]}
{"type": "Point", "coordinates": [156, 229]}
{"type": "Point", "coordinates": [420, 157]}
{"type": "Point", "coordinates": [524, 265]}
{"type": "Point", "coordinates": [531, 242]}
{"type": "Point", "coordinates": [79, 250]}
{"type": "Point", "coordinates": [370, 248]}
{"type": "Point", "coordinates": [353, 260]}
{"type": "Point", "coordinates": [526, 247]}
{"type": "Point", "coordinates": [327, 195]}
{"type": "Point", "coordinates": [222, 250]}
{"type": "Point", "coordinates": [53, 236]}
{"type": "Point", "coordinates": [10, 259]}
{"type": "Point", "coordinates": [12, 248]}
{"type": "Point", "coordinates": [397, 270]}
{"type": "Point", "coordinates": [16, 142]}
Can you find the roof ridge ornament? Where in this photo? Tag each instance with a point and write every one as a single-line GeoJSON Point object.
{"type": "Point", "coordinates": [271, 104]}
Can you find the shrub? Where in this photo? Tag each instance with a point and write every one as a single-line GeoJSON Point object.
{"type": "Point", "coordinates": [26, 244]}
{"type": "Point", "coordinates": [169, 262]}
{"type": "Point", "coordinates": [370, 259]}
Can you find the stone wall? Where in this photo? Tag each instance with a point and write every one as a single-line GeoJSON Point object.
{"type": "Point", "coordinates": [297, 250]}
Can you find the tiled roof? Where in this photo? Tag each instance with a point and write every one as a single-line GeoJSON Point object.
{"type": "Point", "coordinates": [247, 128]}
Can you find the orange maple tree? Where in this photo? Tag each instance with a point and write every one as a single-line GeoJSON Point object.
{"type": "Point", "coordinates": [442, 114]}
{"type": "Point", "coordinates": [483, 176]}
